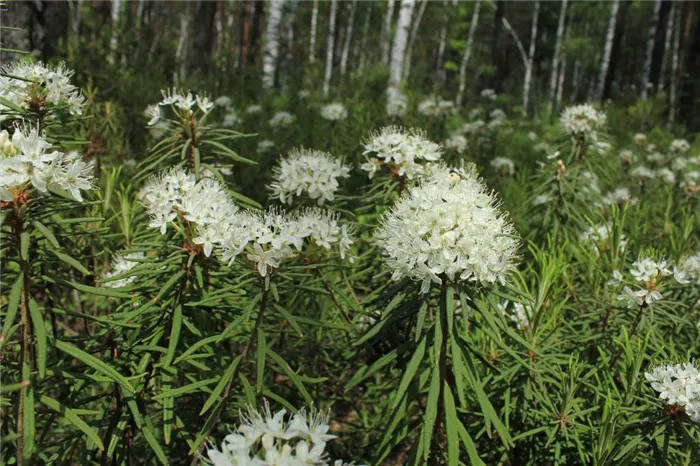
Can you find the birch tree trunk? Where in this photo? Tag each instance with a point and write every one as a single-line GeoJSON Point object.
{"type": "Point", "coordinates": [607, 51]}
{"type": "Point", "coordinates": [114, 42]}
{"type": "Point", "coordinates": [386, 32]}
{"type": "Point", "coordinates": [182, 47]}
{"type": "Point", "coordinates": [561, 76]}
{"type": "Point", "coordinates": [530, 57]}
{"type": "Point", "coordinates": [668, 41]}
{"type": "Point", "coordinates": [646, 72]}
{"type": "Point", "coordinates": [312, 40]}
{"type": "Point", "coordinates": [361, 55]}
{"type": "Point", "coordinates": [272, 43]}
{"type": "Point", "coordinates": [330, 44]}
{"type": "Point", "coordinates": [439, 67]}
{"type": "Point", "coordinates": [398, 50]}
{"type": "Point", "coordinates": [348, 40]}
{"type": "Point", "coordinates": [555, 59]}
{"type": "Point", "coordinates": [673, 84]}
{"type": "Point", "coordinates": [412, 39]}
{"type": "Point", "coordinates": [467, 53]}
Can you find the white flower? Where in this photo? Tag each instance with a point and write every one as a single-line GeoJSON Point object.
{"type": "Point", "coordinates": [626, 156]}
{"type": "Point", "coordinates": [503, 165]}
{"type": "Point", "coordinates": [649, 270]}
{"type": "Point", "coordinates": [396, 103]}
{"type": "Point", "coordinates": [404, 151]}
{"type": "Point", "coordinates": [542, 199]}
{"type": "Point", "coordinates": [282, 119]}
{"type": "Point", "coordinates": [314, 174]}
{"type": "Point", "coordinates": [231, 119]}
{"type": "Point", "coordinates": [642, 173]}
{"type": "Point", "coordinates": [456, 143]}
{"type": "Point", "coordinates": [223, 101]}
{"type": "Point", "coordinates": [436, 107]}
{"type": "Point", "coordinates": [640, 139]}
{"type": "Point", "coordinates": [304, 94]}
{"type": "Point", "coordinates": [582, 120]}
{"type": "Point", "coordinates": [264, 439]}
{"type": "Point", "coordinates": [678, 385]}
{"type": "Point", "coordinates": [655, 158]}
{"type": "Point", "coordinates": [76, 176]}
{"type": "Point", "coordinates": [325, 231]}
{"type": "Point", "coordinates": [680, 146]}
{"type": "Point", "coordinates": [334, 112]}
{"type": "Point", "coordinates": [489, 94]}
{"type": "Point", "coordinates": [619, 196]}
{"type": "Point", "coordinates": [254, 109]}
{"type": "Point", "coordinates": [23, 81]}
{"type": "Point", "coordinates": [639, 297]}
{"type": "Point", "coordinates": [121, 264]}
{"type": "Point", "coordinates": [666, 175]}
{"type": "Point", "coordinates": [520, 315]}
{"type": "Point", "coordinates": [599, 237]}
{"type": "Point", "coordinates": [204, 103]}
{"type": "Point", "coordinates": [265, 146]}
{"type": "Point", "coordinates": [689, 269]}
{"type": "Point", "coordinates": [473, 127]}
{"type": "Point", "coordinates": [447, 225]}
{"type": "Point", "coordinates": [152, 112]}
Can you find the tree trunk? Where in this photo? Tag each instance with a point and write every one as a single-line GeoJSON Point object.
{"type": "Point", "coordinates": [199, 56]}
{"type": "Point", "coordinates": [530, 57]}
{"type": "Point", "coordinates": [312, 39]}
{"type": "Point", "coordinates": [348, 40]}
{"type": "Point", "coordinates": [439, 67]}
{"type": "Point", "coordinates": [561, 75]}
{"type": "Point", "coordinates": [361, 53]}
{"type": "Point", "coordinates": [607, 52]}
{"type": "Point", "coordinates": [616, 47]}
{"type": "Point", "coordinates": [412, 39]}
{"type": "Point", "coordinates": [272, 43]}
{"type": "Point", "coordinates": [658, 76]}
{"type": "Point", "coordinates": [114, 40]}
{"type": "Point", "coordinates": [244, 41]}
{"type": "Point", "coordinates": [330, 47]}
{"type": "Point", "coordinates": [497, 49]}
{"type": "Point", "coordinates": [555, 59]}
{"type": "Point", "coordinates": [181, 52]}
{"type": "Point", "coordinates": [673, 80]}
{"type": "Point", "coordinates": [646, 72]}
{"type": "Point", "coordinates": [386, 32]}
{"type": "Point", "coordinates": [690, 87]}
{"type": "Point", "coordinates": [467, 53]}
{"type": "Point", "coordinates": [398, 51]}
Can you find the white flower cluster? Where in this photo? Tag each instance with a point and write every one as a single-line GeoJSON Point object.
{"type": "Point", "coordinates": [254, 109]}
{"type": "Point", "coordinates": [599, 237]}
{"type": "Point", "coordinates": [489, 94]}
{"type": "Point", "coordinates": [264, 439]}
{"type": "Point", "coordinates": [265, 146]}
{"type": "Point", "coordinates": [23, 82]}
{"type": "Point", "coordinates": [619, 196]}
{"type": "Point", "coordinates": [473, 127]}
{"type": "Point", "coordinates": [26, 158]}
{"type": "Point", "coordinates": [642, 173]}
{"type": "Point", "coordinates": [185, 101]}
{"type": "Point", "coordinates": [626, 156]}
{"type": "Point", "coordinates": [503, 165]}
{"type": "Point", "coordinates": [582, 120]}
{"type": "Point", "coordinates": [405, 151]}
{"type": "Point", "coordinates": [231, 119]}
{"type": "Point", "coordinates": [310, 172]}
{"type": "Point", "coordinates": [689, 270]}
{"type": "Point", "coordinates": [396, 103]}
{"type": "Point", "coordinates": [282, 120]}
{"type": "Point", "coordinates": [448, 225]}
{"type": "Point", "coordinates": [325, 231]}
{"type": "Point", "coordinates": [436, 107]}
{"type": "Point", "coordinates": [678, 385]}
{"type": "Point", "coordinates": [203, 203]}
{"type": "Point", "coordinates": [456, 143]}
{"type": "Point", "coordinates": [334, 112]}
{"type": "Point", "coordinates": [680, 146]}
{"type": "Point", "coordinates": [640, 139]}
{"type": "Point", "coordinates": [497, 118]}
{"type": "Point", "coordinates": [121, 264]}
{"type": "Point", "coordinates": [223, 101]}
{"type": "Point", "coordinates": [651, 274]}
{"type": "Point", "coordinates": [520, 315]}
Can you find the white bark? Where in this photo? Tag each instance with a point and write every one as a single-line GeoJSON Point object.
{"type": "Point", "coordinates": [348, 40]}
{"type": "Point", "coordinates": [650, 50]}
{"type": "Point", "coordinates": [443, 42]}
{"type": "Point", "coordinates": [562, 76]}
{"type": "Point", "coordinates": [674, 66]}
{"type": "Point", "coordinates": [361, 54]}
{"type": "Point", "coordinates": [114, 42]}
{"type": "Point", "coordinates": [411, 41]}
{"type": "Point", "coordinates": [386, 32]}
{"type": "Point", "coordinates": [330, 44]}
{"type": "Point", "coordinates": [667, 42]}
{"type": "Point", "coordinates": [607, 51]}
{"type": "Point", "coordinates": [312, 40]}
{"type": "Point", "coordinates": [398, 50]}
{"type": "Point", "coordinates": [182, 46]}
{"type": "Point", "coordinates": [75, 15]}
{"type": "Point", "coordinates": [555, 59]}
{"type": "Point", "coordinates": [467, 53]}
{"type": "Point", "coordinates": [530, 57]}
{"type": "Point", "coordinates": [272, 43]}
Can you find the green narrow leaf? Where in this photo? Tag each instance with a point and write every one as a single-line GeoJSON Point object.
{"type": "Point", "coordinates": [147, 432]}
{"type": "Point", "coordinates": [70, 261]}
{"type": "Point", "coordinates": [13, 303]}
{"type": "Point", "coordinates": [189, 388]}
{"type": "Point", "coordinates": [197, 162]}
{"type": "Point", "coordinates": [70, 415]}
{"type": "Point", "coordinates": [24, 245]}
{"type": "Point", "coordinates": [291, 374]}
{"type": "Point", "coordinates": [474, 459]}
{"type": "Point", "coordinates": [168, 285]}
{"type": "Point", "coordinates": [410, 372]}
{"type": "Point", "coordinates": [260, 351]}
{"type": "Point", "coordinates": [168, 406]}
{"type": "Point", "coordinates": [28, 413]}
{"type": "Point", "coordinates": [40, 334]}
{"type": "Point", "coordinates": [47, 234]}
{"type": "Point", "coordinates": [451, 424]}
{"type": "Point", "coordinates": [174, 335]}
{"type": "Point", "coordinates": [364, 372]}
{"type": "Point", "coordinates": [94, 363]}
{"type": "Point", "coordinates": [222, 384]}
{"type": "Point", "coordinates": [421, 317]}
{"type": "Point", "coordinates": [109, 292]}
{"type": "Point", "coordinates": [431, 411]}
